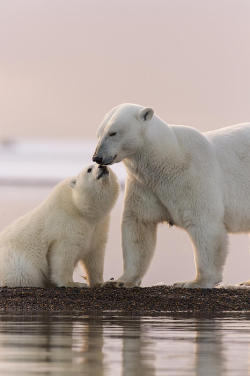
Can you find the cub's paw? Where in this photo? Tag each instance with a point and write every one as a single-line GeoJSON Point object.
{"type": "Point", "coordinates": [74, 284]}
{"type": "Point", "coordinates": [193, 285]}
{"type": "Point", "coordinates": [80, 285]}
{"type": "Point", "coordinates": [97, 285]}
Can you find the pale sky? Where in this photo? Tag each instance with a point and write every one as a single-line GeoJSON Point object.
{"type": "Point", "coordinates": [64, 63]}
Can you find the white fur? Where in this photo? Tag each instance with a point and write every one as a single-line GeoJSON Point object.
{"type": "Point", "coordinates": [43, 246]}
{"type": "Point", "coordinates": [198, 181]}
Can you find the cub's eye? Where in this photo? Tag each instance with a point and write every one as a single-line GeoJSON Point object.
{"type": "Point", "coordinates": [72, 183]}
{"type": "Point", "coordinates": [112, 134]}
{"type": "Point", "coordinates": [89, 170]}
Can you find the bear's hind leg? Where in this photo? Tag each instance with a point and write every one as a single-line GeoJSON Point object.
{"type": "Point", "coordinates": [246, 283]}
{"type": "Point", "coordinates": [210, 247]}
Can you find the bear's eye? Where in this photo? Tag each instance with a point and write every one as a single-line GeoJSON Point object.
{"type": "Point", "coordinates": [89, 170]}
{"type": "Point", "coordinates": [112, 134]}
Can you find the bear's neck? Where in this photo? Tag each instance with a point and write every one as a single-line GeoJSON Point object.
{"type": "Point", "coordinates": [159, 156]}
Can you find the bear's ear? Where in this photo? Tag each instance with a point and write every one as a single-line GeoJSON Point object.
{"type": "Point", "coordinates": [72, 183]}
{"type": "Point", "coordinates": [146, 114]}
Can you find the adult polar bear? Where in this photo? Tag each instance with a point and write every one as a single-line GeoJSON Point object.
{"type": "Point", "coordinates": [42, 247]}
{"type": "Point", "coordinates": [198, 181]}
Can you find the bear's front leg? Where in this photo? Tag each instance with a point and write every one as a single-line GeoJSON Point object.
{"type": "Point", "coordinates": [93, 260]}
{"type": "Point", "coordinates": [142, 212]}
{"type": "Point", "coordinates": [62, 260]}
{"type": "Point", "coordinates": [138, 242]}
{"type": "Point", "coordinates": [210, 251]}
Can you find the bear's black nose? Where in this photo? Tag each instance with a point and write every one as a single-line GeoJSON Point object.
{"type": "Point", "coordinates": [97, 159]}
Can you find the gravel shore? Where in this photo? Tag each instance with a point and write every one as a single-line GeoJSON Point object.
{"type": "Point", "coordinates": [136, 300]}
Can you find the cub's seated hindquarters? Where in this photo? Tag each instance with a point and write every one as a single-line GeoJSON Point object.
{"type": "Point", "coordinates": [42, 247]}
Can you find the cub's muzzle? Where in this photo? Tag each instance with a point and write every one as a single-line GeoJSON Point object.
{"type": "Point", "coordinates": [103, 171]}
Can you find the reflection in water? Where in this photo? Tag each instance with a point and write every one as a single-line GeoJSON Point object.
{"type": "Point", "coordinates": [138, 357]}
{"type": "Point", "coordinates": [209, 353]}
{"type": "Point", "coordinates": [87, 344]}
{"type": "Point", "coordinates": [109, 344]}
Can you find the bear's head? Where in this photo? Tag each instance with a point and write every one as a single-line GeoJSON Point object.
{"type": "Point", "coordinates": [121, 133]}
{"type": "Point", "coordinates": [95, 189]}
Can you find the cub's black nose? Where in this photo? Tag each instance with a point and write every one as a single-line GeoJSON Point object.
{"type": "Point", "coordinates": [104, 169]}
{"type": "Point", "coordinates": [97, 159]}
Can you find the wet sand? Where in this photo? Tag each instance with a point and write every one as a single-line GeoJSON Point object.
{"type": "Point", "coordinates": [136, 300]}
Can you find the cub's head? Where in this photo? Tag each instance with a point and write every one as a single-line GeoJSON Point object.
{"type": "Point", "coordinates": [96, 189]}
{"type": "Point", "coordinates": [121, 133]}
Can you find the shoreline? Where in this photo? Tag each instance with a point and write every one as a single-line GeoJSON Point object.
{"type": "Point", "coordinates": [141, 300]}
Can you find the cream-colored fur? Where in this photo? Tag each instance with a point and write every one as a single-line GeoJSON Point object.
{"type": "Point", "coordinates": [42, 247]}
{"type": "Point", "coordinates": [197, 181]}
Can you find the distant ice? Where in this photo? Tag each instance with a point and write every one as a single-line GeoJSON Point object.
{"type": "Point", "coordinates": [46, 162]}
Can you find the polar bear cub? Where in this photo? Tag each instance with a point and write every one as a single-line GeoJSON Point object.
{"type": "Point", "coordinates": [42, 247]}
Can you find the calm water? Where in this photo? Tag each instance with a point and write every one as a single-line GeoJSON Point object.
{"type": "Point", "coordinates": [114, 344]}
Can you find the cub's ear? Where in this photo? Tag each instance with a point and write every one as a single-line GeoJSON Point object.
{"type": "Point", "coordinates": [146, 114]}
{"type": "Point", "coordinates": [72, 183]}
